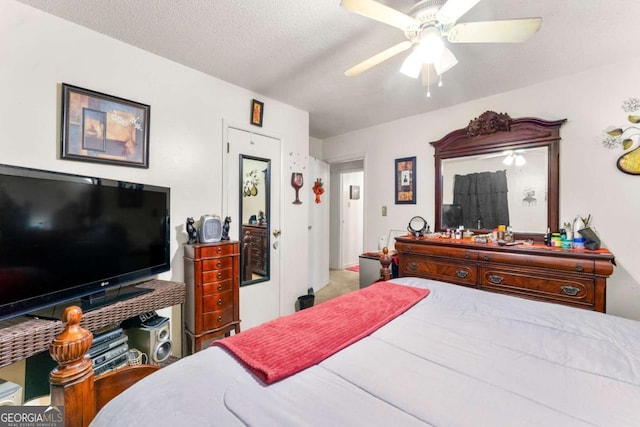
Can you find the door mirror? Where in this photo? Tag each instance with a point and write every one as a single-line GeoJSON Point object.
{"type": "Point", "coordinates": [255, 184]}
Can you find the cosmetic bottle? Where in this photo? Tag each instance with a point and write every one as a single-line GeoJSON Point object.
{"type": "Point", "coordinates": [547, 237]}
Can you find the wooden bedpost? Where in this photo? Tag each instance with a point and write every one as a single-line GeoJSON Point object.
{"type": "Point", "coordinates": [72, 380]}
{"type": "Point", "coordinates": [385, 262]}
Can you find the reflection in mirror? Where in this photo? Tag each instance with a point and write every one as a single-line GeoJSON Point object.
{"type": "Point", "coordinates": [504, 188]}
{"type": "Point", "coordinates": [255, 176]}
{"type": "Point", "coordinates": [513, 165]}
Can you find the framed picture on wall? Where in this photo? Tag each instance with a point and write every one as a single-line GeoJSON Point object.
{"type": "Point", "coordinates": [405, 172]}
{"type": "Point", "coordinates": [102, 128]}
{"type": "Point", "coordinates": [354, 192]}
{"type": "Point", "coordinates": [257, 112]}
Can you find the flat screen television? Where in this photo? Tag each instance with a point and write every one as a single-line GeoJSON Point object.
{"type": "Point", "coordinates": [75, 239]}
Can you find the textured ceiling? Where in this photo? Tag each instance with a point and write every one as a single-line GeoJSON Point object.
{"type": "Point", "coordinates": [296, 51]}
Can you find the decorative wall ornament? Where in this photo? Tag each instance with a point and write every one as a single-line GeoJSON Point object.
{"type": "Point", "coordinates": [318, 190]}
{"type": "Point", "coordinates": [405, 172]}
{"type": "Point", "coordinates": [489, 122]}
{"type": "Point", "coordinates": [297, 182]}
{"type": "Point", "coordinates": [257, 112]}
{"type": "Point", "coordinates": [627, 138]}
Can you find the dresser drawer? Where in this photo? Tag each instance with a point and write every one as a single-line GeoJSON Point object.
{"type": "Point", "coordinates": [536, 284]}
{"type": "Point", "coordinates": [216, 275]}
{"type": "Point", "coordinates": [217, 263]}
{"type": "Point", "coordinates": [213, 288]}
{"type": "Point", "coordinates": [455, 271]}
{"type": "Point", "coordinates": [217, 250]}
{"type": "Point", "coordinates": [435, 250]}
{"type": "Point", "coordinates": [576, 265]}
{"type": "Point", "coordinates": [217, 319]}
{"type": "Point", "coordinates": [216, 302]}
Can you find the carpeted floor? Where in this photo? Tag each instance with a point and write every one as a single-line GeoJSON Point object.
{"type": "Point", "coordinates": [340, 283]}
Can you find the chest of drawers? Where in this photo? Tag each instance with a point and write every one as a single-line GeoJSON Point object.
{"type": "Point", "coordinates": [212, 276]}
{"type": "Point", "coordinates": [577, 278]}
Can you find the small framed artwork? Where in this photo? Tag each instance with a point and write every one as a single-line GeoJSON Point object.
{"type": "Point", "coordinates": [354, 192]}
{"type": "Point", "coordinates": [405, 180]}
{"type": "Point", "coordinates": [257, 111]}
{"type": "Point", "coordinates": [103, 128]}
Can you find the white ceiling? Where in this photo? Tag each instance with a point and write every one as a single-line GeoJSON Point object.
{"type": "Point", "coordinates": [296, 51]}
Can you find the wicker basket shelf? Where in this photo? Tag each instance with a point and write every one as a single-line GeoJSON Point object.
{"type": "Point", "coordinates": [25, 336]}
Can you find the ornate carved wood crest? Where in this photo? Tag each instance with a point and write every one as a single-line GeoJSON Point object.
{"type": "Point", "coordinates": [489, 122]}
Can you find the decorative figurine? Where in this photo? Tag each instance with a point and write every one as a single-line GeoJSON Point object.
{"type": "Point", "coordinates": [191, 231]}
{"type": "Point", "coordinates": [225, 228]}
{"type": "Point", "coordinates": [261, 218]}
{"type": "Point", "coordinates": [317, 189]}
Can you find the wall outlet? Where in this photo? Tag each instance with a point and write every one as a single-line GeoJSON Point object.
{"type": "Point", "coordinates": [384, 211]}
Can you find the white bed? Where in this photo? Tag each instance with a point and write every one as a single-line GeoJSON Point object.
{"type": "Point", "coordinates": [459, 357]}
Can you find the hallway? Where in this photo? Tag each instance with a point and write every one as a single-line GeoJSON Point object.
{"type": "Point", "coordinates": [340, 283]}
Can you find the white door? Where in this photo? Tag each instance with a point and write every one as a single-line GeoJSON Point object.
{"type": "Point", "coordinates": [259, 301]}
{"type": "Point", "coordinates": [319, 226]}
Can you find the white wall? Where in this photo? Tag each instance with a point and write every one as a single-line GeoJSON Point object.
{"type": "Point", "coordinates": [39, 51]}
{"type": "Point", "coordinates": [589, 179]}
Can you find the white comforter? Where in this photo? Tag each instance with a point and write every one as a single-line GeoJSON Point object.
{"type": "Point", "coordinates": [460, 357]}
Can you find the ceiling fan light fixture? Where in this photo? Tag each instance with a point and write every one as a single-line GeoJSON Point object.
{"type": "Point", "coordinates": [430, 45]}
{"type": "Point", "coordinates": [412, 64]}
{"type": "Point", "coordinates": [446, 61]}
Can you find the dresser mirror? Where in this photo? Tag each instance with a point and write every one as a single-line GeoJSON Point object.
{"type": "Point", "coordinates": [499, 171]}
{"type": "Point", "coordinates": [255, 176]}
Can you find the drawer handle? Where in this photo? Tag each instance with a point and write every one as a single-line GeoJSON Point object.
{"type": "Point", "coordinates": [413, 266]}
{"type": "Point", "coordinates": [487, 257]}
{"type": "Point", "coordinates": [572, 291]}
{"type": "Point", "coordinates": [219, 301]}
{"type": "Point", "coordinates": [467, 255]}
{"type": "Point", "coordinates": [219, 264]}
{"type": "Point", "coordinates": [579, 267]}
{"type": "Point", "coordinates": [220, 287]}
{"type": "Point", "coordinates": [496, 280]}
{"type": "Point", "coordinates": [219, 275]}
{"type": "Point", "coordinates": [462, 273]}
{"type": "Point", "coordinates": [219, 250]}
{"type": "Point", "coordinates": [219, 319]}
{"type": "Point", "coordinates": [409, 248]}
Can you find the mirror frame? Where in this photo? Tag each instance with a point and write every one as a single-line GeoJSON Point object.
{"type": "Point", "coordinates": [243, 239]}
{"type": "Point", "coordinates": [495, 132]}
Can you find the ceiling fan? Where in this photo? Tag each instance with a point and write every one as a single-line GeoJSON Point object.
{"type": "Point", "coordinates": [425, 26]}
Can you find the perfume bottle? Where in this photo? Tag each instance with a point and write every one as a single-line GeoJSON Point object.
{"type": "Point", "coordinates": [547, 237]}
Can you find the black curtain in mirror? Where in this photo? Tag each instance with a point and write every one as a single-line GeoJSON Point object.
{"type": "Point", "coordinates": [483, 198]}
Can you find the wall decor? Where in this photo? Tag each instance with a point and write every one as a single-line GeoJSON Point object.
{"type": "Point", "coordinates": [354, 192]}
{"type": "Point", "coordinates": [405, 190]}
{"type": "Point", "coordinates": [257, 112]}
{"type": "Point", "coordinates": [102, 128]}
{"type": "Point", "coordinates": [627, 138]}
{"type": "Point", "coordinates": [296, 183]}
{"type": "Point", "coordinates": [317, 189]}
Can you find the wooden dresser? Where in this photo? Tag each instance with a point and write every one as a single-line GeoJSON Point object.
{"type": "Point", "coordinates": [259, 248]}
{"type": "Point", "coordinates": [212, 276]}
{"type": "Point", "coordinates": [572, 277]}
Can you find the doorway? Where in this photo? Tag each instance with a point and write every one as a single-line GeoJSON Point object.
{"type": "Point", "coordinates": [259, 299]}
{"type": "Point", "coordinates": [348, 194]}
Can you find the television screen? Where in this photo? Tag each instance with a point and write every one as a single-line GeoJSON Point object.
{"type": "Point", "coordinates": [66, 236]}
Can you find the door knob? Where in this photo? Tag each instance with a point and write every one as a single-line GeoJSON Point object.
{"type": "Point", "coordinates": [276, 233]}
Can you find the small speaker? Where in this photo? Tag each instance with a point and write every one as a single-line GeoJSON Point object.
{"type": "Point", "coordinates": [154, 340]}
{"type": "Point", "coordinates": [210, 229]}
{"type": "Point", "coordinates": [10, 393]}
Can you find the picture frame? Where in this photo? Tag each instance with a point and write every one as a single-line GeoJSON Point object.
{"type": "Point", "coordinates": [405, 180]}
{"type": "Point", "coordinates": [354, 192]}
{"type": "Point", "coordinates": [102, 128]}
{"type": "Point", "coordinates": [257, 112]}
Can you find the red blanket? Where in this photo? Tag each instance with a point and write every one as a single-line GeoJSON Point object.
{"type": "Point", "coordinates": [289, 344]}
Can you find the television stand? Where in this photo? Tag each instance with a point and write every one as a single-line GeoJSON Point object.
{"type": "Point", "coordinates": [22, 337]}
{"type": "Point", "coordinates": [93, 301]}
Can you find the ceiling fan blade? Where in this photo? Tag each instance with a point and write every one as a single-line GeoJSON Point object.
{"type": "Point", "coordinates": [508, 31]}
{"type": "Point", "coordinates": [452, 10]}
{"type": "Point", "coordinates": [380, 12]}
{"type": "Point", "coordinates": [376, 59]}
